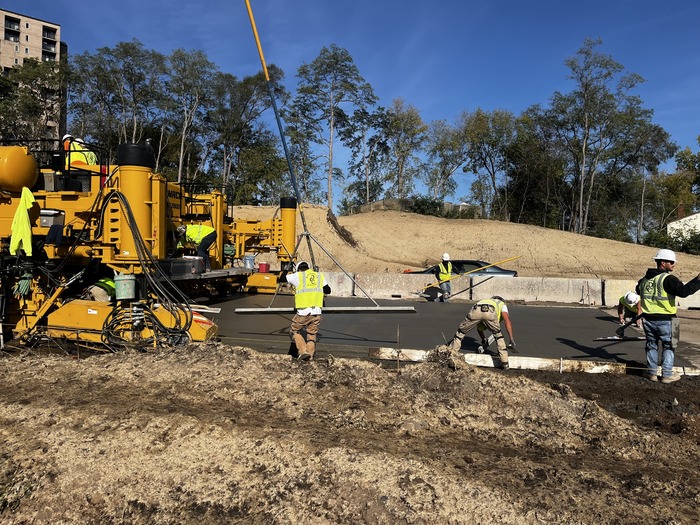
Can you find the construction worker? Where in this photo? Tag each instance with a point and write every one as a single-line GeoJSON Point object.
{"type": "Point", "coordinates": [104, 291]}
{"type": "Point", "coordinates": [487, 314]}
{"type": "Point", "coordinates": [629, 307]}
{"type": "Point", "coordinates": [77, 151]}
{"type": "Point", "coordinates": [443, 272]}
{"type": "Point", "coordinates": [201, 236]}
{"type": "Point", "coordinates": [658, 290]}
{"type": "Point", "coordinates": [309, 290]}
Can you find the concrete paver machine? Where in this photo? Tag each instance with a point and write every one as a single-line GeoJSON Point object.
{"type": "Point", "coordinates": [89, 252]}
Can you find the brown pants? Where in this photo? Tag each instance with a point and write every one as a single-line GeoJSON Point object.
{"type": "Point", "coordinates": [488, 320]}
{"type": "Point", "coordinates": [309, 324]}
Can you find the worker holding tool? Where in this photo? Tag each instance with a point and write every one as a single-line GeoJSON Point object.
{"type": "Point", "coordinates": [487, 314]}
{"type": "Point", "coordinates": [658, 290]}
{"type": "Point", "coordinates": [443, 272]}
{"type": "Point", "coordinates": [201, 236]}
{"type": "Point", "coordinates": [310, 288]}
{"type": "Point", "coordinates": [629, 307]}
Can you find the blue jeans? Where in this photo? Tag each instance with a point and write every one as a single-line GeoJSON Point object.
{"type": "Point", "coordinates": [446, 290]}
{"type": "Point", "coordinates": [659, 333]}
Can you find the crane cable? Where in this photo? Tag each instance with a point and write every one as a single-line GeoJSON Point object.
{"type": "Point", "coordinates": [281, 131]}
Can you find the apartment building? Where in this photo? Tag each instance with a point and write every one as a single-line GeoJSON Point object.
{"type": "Point", "coordinates": [26, 37]}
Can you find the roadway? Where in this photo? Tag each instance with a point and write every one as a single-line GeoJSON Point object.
{"type": "Point", "coordinates": [545, 331]}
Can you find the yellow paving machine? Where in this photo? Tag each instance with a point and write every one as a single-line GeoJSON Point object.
{"type": "Point", "coordinates": [89, 252]}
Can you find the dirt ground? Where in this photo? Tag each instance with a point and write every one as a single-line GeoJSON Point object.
{"type": "Point", "coordinates": [218, 434]}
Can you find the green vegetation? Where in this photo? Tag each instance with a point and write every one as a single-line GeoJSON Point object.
{"type": "Point", "coordinates": [589, 161]}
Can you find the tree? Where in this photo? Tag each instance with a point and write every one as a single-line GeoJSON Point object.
{"type": "Point", "coordinates": [327, 85]}
{"type": "Point", "coordinates": [117, 94]}
{"type": "Point", "coordinates": [232, 122]}
{"type": "Point", "coordinates": [600, 126]}
{"type": "Point", "coordinates": [31, 96]}
{"type": "Point", "coordinates": [405, 135]}
{"type": "Point", "coordinates": [362, 133]}
{"type": "Point", "coordinates": [447, 150]}
{"type": "Point", "coordinates": [189, 82]}
{"type": "Point", "coordinates": [488, 134]}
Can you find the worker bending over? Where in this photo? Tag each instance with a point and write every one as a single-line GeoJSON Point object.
{"type": "Point", "coordinates": [201, 236]}
{"type": "Point", "coordinates": [487, 314]}
{"type": "Point", "coordinates": [310, 288]}
{"type": "Point", "coordinates": [629, 307]}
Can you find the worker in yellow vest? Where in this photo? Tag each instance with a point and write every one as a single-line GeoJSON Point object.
{"type": "Point", "coordinates": [77, 152]}
{"type": "Point", "coordinates": [201, 236]}
{"type": "Point", "coordinates": [658, 290]}
{"type": "Point", "coordinates": [310, 288]}
{"type": "Point", "coordinates": [629, 307]}
{"type": "Point", "coordinates": [443, 272]}
{"type": "Point", "coordinates": [487, 314]}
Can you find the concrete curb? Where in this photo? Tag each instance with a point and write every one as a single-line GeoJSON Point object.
{"type": "Point", "coordinates": [523, 363]}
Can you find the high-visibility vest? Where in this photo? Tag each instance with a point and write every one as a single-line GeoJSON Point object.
{"type": "Point", "coordinates": [498, 305]}
{"type": "Point", "coordinates": [309, 293]}
{"type": "Point", "coordinates": [654, 298]}
{"type": "Point", "coordinates": [108, 286]}
{"type": "Point", "coordinates": [196, 232]}
{"type": "Point", "coordinates": [445, 272]}
{"type": "Point", "coordinates": [76, 153]}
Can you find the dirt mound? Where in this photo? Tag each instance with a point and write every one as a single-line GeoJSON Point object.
{"type": "Point", "coordinates": [215, 434]}
{"type": "Point", "coordinates": [391, 241]}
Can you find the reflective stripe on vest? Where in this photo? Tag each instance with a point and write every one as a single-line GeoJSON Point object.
{"type": "Point", "coordinates": [654, 298]}
{"type": "Point", "coordinates": [107, 285]}
{"type": "Point", "coordinates": [309, 293]}
{"type": "Point", "coordinates": [197, 232]}
{"type": "Point", "coordinates": [445, 272]}
{"type": "Point", "coordinates": [498, 305]}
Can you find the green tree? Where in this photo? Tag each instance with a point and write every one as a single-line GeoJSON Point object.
{"type": "Point", "coordinates": [328, 85]}
{"type": "Point", "coordinates": [405, 135]}
{"type": "Point", "coordinates": [189, 82]}
{"type": "Point", "coordinates": [488, 134]}
{"type": "Point", "coordinates": [232, 122]}
{"type": "Point", "coordinates": [117, 94]}
{"type": "Point", "coordinates": [31, 97]}
{"type": "Point", "coordinates": [600, 126]}
{"type": "Point", "coordinates": [363, 135]}
{"type": "Point", "coordinates": [447, 150]}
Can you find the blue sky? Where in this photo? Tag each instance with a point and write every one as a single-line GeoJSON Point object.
{"type": "Point", "coordinates": [442, 57]}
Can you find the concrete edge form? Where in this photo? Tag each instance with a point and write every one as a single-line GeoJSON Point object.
{"type": "Point", "coordinates": [522, 363]}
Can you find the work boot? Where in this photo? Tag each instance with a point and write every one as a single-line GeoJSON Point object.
{"type": "Point", "coordinates": [651, 377]}
{"type": "Point", "coordinates": [670, 379]}
{"type": "Point", "coordinates": [505, 366]}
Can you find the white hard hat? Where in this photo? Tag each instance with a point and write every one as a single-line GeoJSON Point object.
{"type": "Point", "coordinates": [66, 137]}
{"type": "Point", "coordinates": [631, 298]}
{"type": "Point", "coordinates": [445, 256]}
{"type": "Point", "coordinates": [665, 255]}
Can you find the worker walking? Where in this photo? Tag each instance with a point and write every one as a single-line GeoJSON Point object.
{"type": "Point", "coordinates": [628, 307]}
{"type": "Point", "coordinates": [487, 314]}
{"type": "Point", "coordinates": [200, 235]}
{"type": "Point", "coordinates": [443, 272]}
{"type": "Point", "coordinates": [309, 290]}
{"type": "Point", "coordinates": [658, 290]}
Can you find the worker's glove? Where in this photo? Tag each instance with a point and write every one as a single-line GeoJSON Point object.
{"type": "Point", "coordinates": [622, 321]}
{"type": "Point", "coordinates": [511, 345]}
{"type": "Point", "coordinates": [288, 267]}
